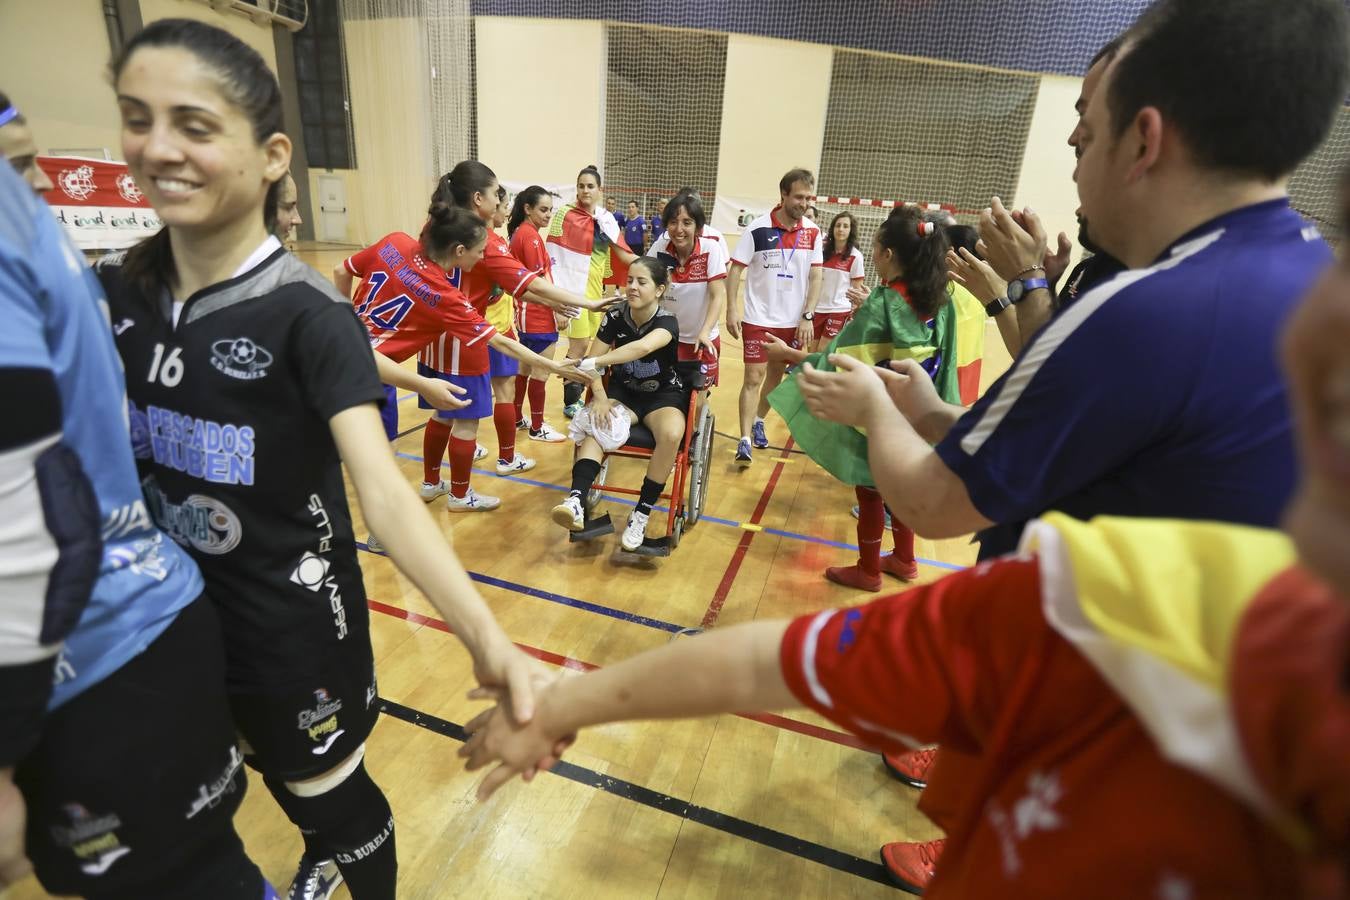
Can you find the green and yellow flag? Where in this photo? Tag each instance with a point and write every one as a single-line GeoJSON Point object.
{"type": "Point", "coordinates": [949, 347]}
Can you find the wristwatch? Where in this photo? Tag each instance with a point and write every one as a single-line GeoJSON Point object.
{"type": "Point", "coordinates": [996, 306]}
{"type": "Point", "coordinates": [1020, 287]}
{"type": "Point", "coordinates": [808, 317]}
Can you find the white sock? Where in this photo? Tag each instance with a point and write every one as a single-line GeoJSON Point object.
{"type": "Point", "coordinates": [759, 420]}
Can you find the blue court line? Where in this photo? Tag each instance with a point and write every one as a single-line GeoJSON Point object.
{"type": "Point", "coordinates": [406, 397]}
{"type": "Point", "coordinates": [564, 600]}
{"type": "Point", "coordinates": [778, 532]}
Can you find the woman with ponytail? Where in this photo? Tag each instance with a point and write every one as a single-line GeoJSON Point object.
{"type": "Point", "coordinates": [250, 385]}
{"type": "Point", "coordinates": [587, 252]}
{"type": "Point", "coordinates": [538, 324]}
{"type": "Point", "coordinates": [473, 186]}
{"type": "Point", "coordinates": [910, 315]}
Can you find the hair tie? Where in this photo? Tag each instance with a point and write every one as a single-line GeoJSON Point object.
{"type": "Point", "coordinates": [926, 228]}
{"type": "Point", "coordinates": [9, 115]}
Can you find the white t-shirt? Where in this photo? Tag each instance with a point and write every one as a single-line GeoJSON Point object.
{"type": "Point", "coordinates": [687, 296]}
{"type": "Point", "coordinates": [840, 274]}
{"type": "Point", "coordinates": [777, 264]}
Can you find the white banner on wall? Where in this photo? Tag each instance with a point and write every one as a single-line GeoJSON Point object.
{"type": "Point", "coordinates": [730, 215]}
{"type": "Point", "coordinates": [98, 202]}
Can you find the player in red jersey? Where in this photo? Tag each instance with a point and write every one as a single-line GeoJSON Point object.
{"type": "Point", "coordinates": [473, 186]}
{"type": "Point", "coordinates": [410, 301]}
{"type": "Point", "coordinates": [843, 273]}
{"type": "Point", "coordinates": [537, 324]}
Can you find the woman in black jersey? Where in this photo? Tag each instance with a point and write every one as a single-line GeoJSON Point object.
{"type": "Point", "coordinates": [251, 382]}
{"type": "Point", "coordinates": [639, 341]}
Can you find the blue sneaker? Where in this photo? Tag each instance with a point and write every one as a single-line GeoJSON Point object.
{"type": "Point", "coordinates": [317, 879]}
{"type": "Point", "coordinates": [743, 457]}
{"type": "Point", "coordinates": [757, 435]}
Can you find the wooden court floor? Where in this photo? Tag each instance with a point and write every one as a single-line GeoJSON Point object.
{"type": "Point", "coordinates": [734, 806]}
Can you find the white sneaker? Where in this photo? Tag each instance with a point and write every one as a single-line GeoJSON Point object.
{"type": "Point", "coordinates": [316, 880]}
{"type": "Point", "coordinates": [569, 513]}
{"type": "Point", "coordinates": [515, 466]}
{"type": "Point", "coordinates": [430, 492]}
{"type": "Point", "coordinates": [522, 424]}
{"type": "Point", "coordinates": [373, 544]}
{"type": "Point", "coordinates": [547, 435]}
{"type": "Point", "coordinates": [472, 502]}
{"type": "Point", "coordinates": [479, 452]}
{"type": "Point", "coordinates": [636, 531]}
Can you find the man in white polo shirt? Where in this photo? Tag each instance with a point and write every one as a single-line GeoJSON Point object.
{"type": "Point", "coordinates": [780, 256]}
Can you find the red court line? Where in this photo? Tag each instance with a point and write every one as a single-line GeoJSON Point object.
{"type": "Point", "coordinates": [557, 659]}
{"type": "Point", "coordinates": [734, 567]}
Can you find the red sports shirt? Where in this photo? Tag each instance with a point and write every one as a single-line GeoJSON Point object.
{"type": "Point", "coordinates": [528, 247]}
{"type": "Point", "coordinates": [497, 269]}
{"type": "Point", "coordinates": [409, 304]}
{"type": "Point", "coordinates": [1047, 785]}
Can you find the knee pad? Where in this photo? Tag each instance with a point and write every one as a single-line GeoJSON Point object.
{"type": "Point", "coordinates": [322, 784]}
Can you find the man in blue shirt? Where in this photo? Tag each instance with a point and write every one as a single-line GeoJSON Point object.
{"type": "Point", "coordinates": [635, 229]}
{"type": "Point", "coordinates": [1156, 393]}
{"type": "Point", "coordinates": [113, 716]}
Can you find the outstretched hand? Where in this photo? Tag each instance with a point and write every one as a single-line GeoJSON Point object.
{"type": "Point", "coordinates": [503, 667]}
{"type": "Point", "coordinates": [442, 394]}
{"type": "Point", "coordinates": [518, 748]}
{"type": "Point", "coordinates": [1012, 242]}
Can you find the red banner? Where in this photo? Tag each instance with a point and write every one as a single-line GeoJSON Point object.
{"type": "Point", "coordinates": [98, 202]}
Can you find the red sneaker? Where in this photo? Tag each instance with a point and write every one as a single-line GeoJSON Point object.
{"type": "Point", "coordinates": [904, 570]}
{"type": "Point", "coordinates": [911, 865]}
{"type": "Point", "coordinates": [912, 767]}
{"type": "Point", "coordinates": [853, 576]}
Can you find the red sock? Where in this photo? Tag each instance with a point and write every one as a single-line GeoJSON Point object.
{"type": "Point", "coordinates": [461, 464]}
{"type": "Point", "coordinates": [434, 439]}
{"type": "Point", "coordinates": [904, 540]}
{"type": "Point", "coordinates": [871, 524]}
{"type": "Point", "coordinates": [537, 389]}
{"type": "Point", "coordinates": [521, 382]}
{"type": "Point", "coordinates": [503, 417]}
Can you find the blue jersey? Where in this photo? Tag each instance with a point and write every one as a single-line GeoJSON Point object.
{"type": "Point", "coordinates": [633, 234]}
{"type": "Point", "coordinates": [1157, 393]}
{"type": "Point", "coordinates": [56, 319]}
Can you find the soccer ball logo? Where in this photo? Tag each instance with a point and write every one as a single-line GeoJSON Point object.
{"type": "Point", "coordinates": [240, 358]}
{"type": "Point", "coordinates": [77, 183]}
{"type": "Point", "coordinates": [243, 352]}
{"type": "Point", "coordinates": [126, 186]}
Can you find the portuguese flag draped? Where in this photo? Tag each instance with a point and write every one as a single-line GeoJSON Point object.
{"type": "Point", "coordinates": [580, 246]}
{"type": "Point", "coordinates": [950, 347]}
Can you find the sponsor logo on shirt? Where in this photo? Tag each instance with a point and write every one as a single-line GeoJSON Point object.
{"type": "Point", "coordinates": [203, 523]}
{"type": "Point", "coordinates": [124, 520]}
{"type": "Point", "coordinates": [140, 558]}
{"type": "Point", "coordinates": [209, 795]}
{"type": "Point", "coordinates": [848, 635]}
{"type": "Point", "coordinates": [122, 326]}
{"type": "Point", "coordinates": [325, 527]}
{"type": "Point", "coordinates": [212, 451]}
{"type": "Point", "coordinates": [240, 358]}
{"type": "Point", "coordinates": [91, 837]}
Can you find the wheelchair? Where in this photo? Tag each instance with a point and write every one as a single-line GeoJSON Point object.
{"type": "Point", "coordinates": [687, 486]}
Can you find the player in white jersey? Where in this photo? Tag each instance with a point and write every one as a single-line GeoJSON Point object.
{"type": "Point", "coordinates": [780, 256]}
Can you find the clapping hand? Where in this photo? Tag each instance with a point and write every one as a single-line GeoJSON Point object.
{"type": "Point", "coordinates": [856, 295]}
{"type": "Point", "coordinates": [1013, 243]}
{"type": "Point", "coordinates": [847, 396]}
{"type": "Point", "coordinates": [975, 274]}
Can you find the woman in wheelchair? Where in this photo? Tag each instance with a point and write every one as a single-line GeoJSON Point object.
{"type": "Point", "coordinates": [637, 341]}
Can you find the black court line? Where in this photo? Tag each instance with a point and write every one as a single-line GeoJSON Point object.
{"type": "Point", "coordinates": [777, 840]}
{"type": "Point", "coordinates": [734, 439]}
{"type": "Point", "coordinates": [410, 430]}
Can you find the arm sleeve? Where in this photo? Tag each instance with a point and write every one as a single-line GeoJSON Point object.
{"type": "Point", "coordinates": [932, 665]}
{"type": "Point", "coordinates": [745, 248]}
{"type": "Point", "coordinates": [1060, 419]}
{"type": "Point", "coordinates": [717, 265]}
{"type": "Point", "coordinates": [818, 249]}
{"type": "Point", "coordinates": [361, 262]}
{"type": "Point", "coordinates": [608, 326]}
{"type": "Point", "coordinates": [507, 272]}
{"type": "Point", "coordinates": [530, 251]}
{"type": "Point", "coordinates": [51, 548]}
{"type": "Point", "coordinates": [333, 361]}
{"type": "Point", "coordinates": [855, 266]}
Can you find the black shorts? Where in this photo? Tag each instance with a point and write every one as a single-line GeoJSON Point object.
{"type": "Point", "coordinates": [133, 786]}
{"type": "Point", "coordinates": [644, 404]}
{"type": "Point", "coordinates": [305, 726]}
